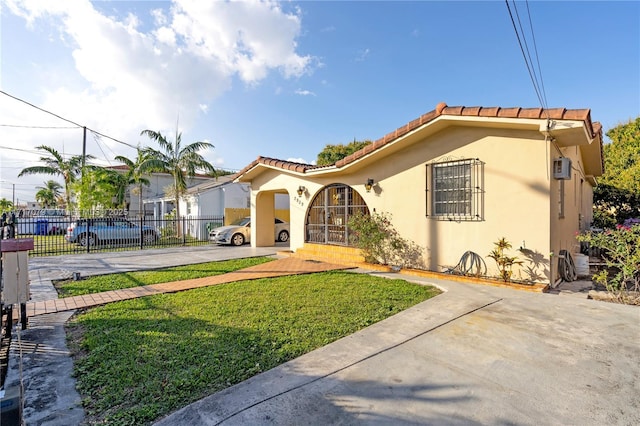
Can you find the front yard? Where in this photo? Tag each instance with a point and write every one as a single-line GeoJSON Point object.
{"type": "Point", "coordinates": [138, 360]}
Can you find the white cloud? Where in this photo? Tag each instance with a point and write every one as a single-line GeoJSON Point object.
{"type": "Point", "coordinates": [138, 72]}
{"type": "Point", "coordinates": [300, 160]}
{"type": "Point", "coordinates": [304, 92]}
{"type": "Point", "coordinates": [362, 55]}
{"type": "Point", "coordinates": [185, 61]}
{"type": "Point", "coordinates": [159, 18]}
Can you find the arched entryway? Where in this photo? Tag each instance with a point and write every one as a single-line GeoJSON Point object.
{"type": "Point", "coordinates": [329, 213]}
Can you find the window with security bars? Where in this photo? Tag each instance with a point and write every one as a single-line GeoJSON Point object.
{"type": "Point", "coordinates": [455, 190]}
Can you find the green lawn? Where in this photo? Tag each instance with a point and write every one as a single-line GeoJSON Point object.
{"type": "Point", "coordinates": [99, 283]}
{"type": "Point", "coordinates": [141, 359]}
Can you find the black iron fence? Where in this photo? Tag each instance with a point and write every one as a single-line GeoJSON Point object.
{"type": "Point", "coordinates": [62, 233]}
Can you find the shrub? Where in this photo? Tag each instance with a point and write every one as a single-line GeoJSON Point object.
{"type": "Point", "coordinates": [620, 250]}
{"type": "Point", "coordinates": [381, 243]}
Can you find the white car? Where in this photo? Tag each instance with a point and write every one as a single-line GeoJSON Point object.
{"type": "Point", "coordinates": [239, 232]}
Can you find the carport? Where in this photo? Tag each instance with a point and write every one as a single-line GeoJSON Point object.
{"type": "Point", "coordinates": [263, 215]}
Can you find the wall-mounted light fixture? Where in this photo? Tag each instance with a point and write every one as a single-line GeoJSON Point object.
{"type": "Point", "coordinates": [368, 185]}
{"type": "Point", "coordinates": [301, 190]}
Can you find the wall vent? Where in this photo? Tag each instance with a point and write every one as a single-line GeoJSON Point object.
{"type": "Point", "coordinates": [562, 168]}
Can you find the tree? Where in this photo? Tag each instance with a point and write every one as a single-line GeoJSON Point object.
{"type": "Point", "coordinates": [49, 194]}
{"type": "Point", "coordinates": [101, 188]}
{"type": "Point", "coordinates": [617, 196]}
{"type": "Point", "coordinates": [333, 153]}
{"type": "Point", "coordinates": [5, 205]}
{"type": "Point", "coordinates": [55, 164]}
{"type": "Point", "coordinates": [136, 175]}
{"type": "Point", "coordinates": [181, 163]}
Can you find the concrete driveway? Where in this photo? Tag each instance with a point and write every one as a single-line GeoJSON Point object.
{"type": "Point", "coordinates": [473, 355]}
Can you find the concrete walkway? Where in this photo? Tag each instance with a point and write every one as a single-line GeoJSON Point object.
{"type": "Point", "coordinates": [472, 355]}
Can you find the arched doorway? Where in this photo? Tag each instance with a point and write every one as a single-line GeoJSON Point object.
{"type": "Point", "coordinates": [329, 212]}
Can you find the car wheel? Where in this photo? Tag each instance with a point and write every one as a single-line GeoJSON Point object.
{"type": "Point", "coordinates": [237, 239]}
{"type": "Point", "coordinates": [91, 240]}
{"type": "Point", "coordinates": [283, 236]}
{"type": "Point", "coordinates": [148, 238]}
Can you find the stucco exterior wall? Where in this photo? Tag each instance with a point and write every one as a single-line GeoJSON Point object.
{"type": "Point", "coordinates": [516, 193]}
{"type": "Point", "coordinates": [521, 197]}
{"type": "Point", "coordinates": [577, 211]}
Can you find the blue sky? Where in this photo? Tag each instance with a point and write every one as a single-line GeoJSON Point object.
{"type": "Point", "coordinates": [285, 79]}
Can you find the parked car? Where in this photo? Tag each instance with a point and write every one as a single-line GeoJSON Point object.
{"type": "Point", "coordinates": [106, 229]}
{"type": "Point", "coordinates": [239, 232]}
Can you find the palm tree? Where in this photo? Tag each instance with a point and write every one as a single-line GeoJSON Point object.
{"type": "Point", "coordinates": [136, 173]}
{"type": "Point", "coordinates": [179, 162]}
{"type": "Point", "coordinates": [48, 194]}
{"type": "Point", "coordinates": [55, 164]}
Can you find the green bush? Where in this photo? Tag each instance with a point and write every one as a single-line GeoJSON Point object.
{"type": "Point", "coordinates": [620, 250]}
{"type": "Point", "coordinates": [381, 243]}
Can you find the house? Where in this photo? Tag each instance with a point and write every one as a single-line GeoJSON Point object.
{"type": "Point", "coordinates": [154, 200]}
{"type": "Point", "coordinates": [456, 179]}
{"type": "Point", "coordinates": [221, 201]}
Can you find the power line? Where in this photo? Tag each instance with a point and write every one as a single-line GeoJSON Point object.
{"type": "Point", "coordinates": [65, 119]}
{"type": "Point", "coordinates": [524, 55]}
{"type": "Point", "coordinates": [38, 127]}
{"type": "Point", "coordinates": [32, 151]}
{"type": "Point", "coordinates": [96, 138]}
{"type": "Point", "coordinates": [535, 47]}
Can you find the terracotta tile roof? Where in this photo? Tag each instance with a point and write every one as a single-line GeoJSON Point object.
{"type": "Point", "coordinates": [281, 164]}
{"type": "Point", "coordinates": [443, 109]}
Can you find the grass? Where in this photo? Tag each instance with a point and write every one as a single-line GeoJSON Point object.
{"type": "Point", "coordinates": [141, 359]}
{"type": "Point", "coordinates": [52, 245]}
{"type": "Point", "coordinates": [99, 283]}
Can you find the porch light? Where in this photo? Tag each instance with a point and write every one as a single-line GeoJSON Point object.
{"type": "Point", "coordinates": [368, 185]}
{"type": "Point", "coordinates": [301, 190]}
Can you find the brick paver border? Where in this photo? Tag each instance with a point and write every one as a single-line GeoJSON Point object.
{"type": "Point", "coordinates": [276, 268]}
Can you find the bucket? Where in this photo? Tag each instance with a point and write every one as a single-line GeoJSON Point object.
{"type": "Point", "coordinates": [582, 264]}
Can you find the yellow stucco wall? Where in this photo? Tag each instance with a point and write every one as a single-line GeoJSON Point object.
{"type": "Point", "coordinates": [520, 200]}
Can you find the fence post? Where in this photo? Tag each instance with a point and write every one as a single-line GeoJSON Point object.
{"type": "Point", "coordinates": [140, 224]}
{"type": "Point", "coordinates": [86, 229]}
{"type": "Point", "coordinates": [184, 230]}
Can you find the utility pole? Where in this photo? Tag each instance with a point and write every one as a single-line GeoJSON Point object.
{"type": "Point", "coordinates": [84, 150]}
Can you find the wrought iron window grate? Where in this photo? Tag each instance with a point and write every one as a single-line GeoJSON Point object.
{"type": "Point", "coordinates": [455, 190]}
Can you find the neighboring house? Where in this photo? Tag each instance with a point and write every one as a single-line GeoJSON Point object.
{"type": "Point", "coordinates": [453, 180]}
{"type": "Point", "coordinates": [154, 199]}
{"type": "Point", "coordinates": [221, 197]}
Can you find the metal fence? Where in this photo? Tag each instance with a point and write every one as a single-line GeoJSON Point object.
{"type": "Point", "coordinates": [67, 234]}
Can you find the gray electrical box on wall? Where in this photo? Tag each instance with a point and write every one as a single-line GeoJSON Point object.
{"type": "Point", "coordinates": [562, 168]}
